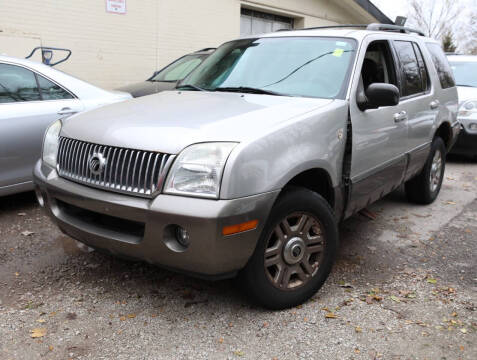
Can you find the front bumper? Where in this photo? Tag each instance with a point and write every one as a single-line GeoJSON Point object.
{"type": "Point", "coordinates": [466, 143]}
{"type": "Point", "coordinates": [134, 227]}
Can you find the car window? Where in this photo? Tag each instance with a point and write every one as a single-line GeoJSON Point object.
{"type": "Point", "coordinates": [442, 66]}
{"type": "Point", "coordinates": [422, 68]}
{"type": "Point", "coordinates": [179, 69]}
{"type": "Point", "coordinates": [17, 84]}
{"type": "Point", "coordinates": [378, 65]}
{"type": "Point", "coordinates": [51, 91]}
{"type": "Point", "coordinates": [411, 81]}
{"type": "Point", "coordinates": [465, 73]}
{"type": "Point", "coordinates": [294, 66]}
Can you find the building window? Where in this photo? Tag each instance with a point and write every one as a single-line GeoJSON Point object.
{"type": "Point", "coordinates": [255, 22]}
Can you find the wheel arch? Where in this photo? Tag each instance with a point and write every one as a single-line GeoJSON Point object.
{"type": "Point", "coordinates": [315, 179]}
{"type": "Point", "coordinates": [444, 131]}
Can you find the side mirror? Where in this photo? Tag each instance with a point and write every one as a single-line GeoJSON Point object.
{"type": "Point", "coordinates": [377, 95]}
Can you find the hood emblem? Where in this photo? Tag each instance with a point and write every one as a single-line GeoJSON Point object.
{"type": "Point", "coordinates": [96, 163]}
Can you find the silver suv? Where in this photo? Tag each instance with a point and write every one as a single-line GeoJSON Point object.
{"type": "Point", "coordinates": [248, 167]}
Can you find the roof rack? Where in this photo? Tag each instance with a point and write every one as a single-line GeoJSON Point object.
{"type": "Point", "coordinates": [388, 27]}
{"type": "Point", "coordinates": [372, 27]}
{"type": "Point", "coordinates": [206, 49]}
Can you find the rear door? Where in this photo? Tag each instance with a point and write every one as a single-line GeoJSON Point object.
{"type": "Point", "coordinates": [29, 102]}
{"type": "Point", "coordinates": [379, 139]}
{"type": "Point", "coordinates": [418, 100]}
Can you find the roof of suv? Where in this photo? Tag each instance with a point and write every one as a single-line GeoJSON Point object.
{"type": "Point", "coordinates": [357, 32]}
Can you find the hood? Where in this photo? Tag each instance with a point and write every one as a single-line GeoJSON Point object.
{"type": "Point", "coordinates": [466, 93]}
{"type": "Point", "coordinates": [170, 121]}
{"type": "Point", "coordinates": [144, 88]}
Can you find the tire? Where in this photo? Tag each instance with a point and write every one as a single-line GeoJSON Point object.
{"type": "Point", "coordinates": [424, 188]}
{"type": "Point", "coordinates": [317, 247]}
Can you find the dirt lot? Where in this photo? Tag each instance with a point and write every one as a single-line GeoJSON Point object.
{"type": "Point", "coordinates": [404, 287]}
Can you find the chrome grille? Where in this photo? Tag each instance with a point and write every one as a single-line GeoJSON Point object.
{"type": "Point", "coordinates": [135, 172]}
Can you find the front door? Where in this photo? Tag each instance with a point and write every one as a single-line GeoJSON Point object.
{"type": "Point", "coordinates": [379, 136]}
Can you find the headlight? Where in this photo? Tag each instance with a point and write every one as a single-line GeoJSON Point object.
{"type": "Point", "coordinates": [50, 143]}
{"type": "Point", "coordinates": [467, 108]}
{"type": "Point", "coordinates": [197, 171]}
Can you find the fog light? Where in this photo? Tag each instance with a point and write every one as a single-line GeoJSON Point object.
{"type": "Point", "coordinates": [182, 236]}
{"type": "Point", "coordinates": [39, 197]}
{"type": "Point", "coordinates": [176, 238]}
{"type": "Point", "coordinates": [473, 126]}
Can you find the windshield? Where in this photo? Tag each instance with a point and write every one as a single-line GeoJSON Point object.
{"type": "Point", "coordinates": [293, 66]}
{"type": "Point", "coordinates": [465, 73]}
{"type": "Point", "coordinates": [179, 69]}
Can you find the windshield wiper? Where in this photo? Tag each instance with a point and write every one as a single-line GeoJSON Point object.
{"type": "Point", "coordinates": [190, 86]}
{"type": "Point", "coordinates": [246, 89]}
{"type": "Point", "coordinates": [464, 85]}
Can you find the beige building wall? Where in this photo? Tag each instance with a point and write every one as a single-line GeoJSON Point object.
{"type": "Point", "coordinates": [111, 50]}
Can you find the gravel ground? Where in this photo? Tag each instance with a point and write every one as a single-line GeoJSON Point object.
{"type": "Point", "coordinates": [404, 287]}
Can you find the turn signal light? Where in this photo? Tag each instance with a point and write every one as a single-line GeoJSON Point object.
{"type": "Point", "coordinates": [234, 229]}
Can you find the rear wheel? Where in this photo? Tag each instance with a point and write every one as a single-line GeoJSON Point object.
{"type": "Point", "coordinates": [424, 188]}
{"type": "Point", "coordinates": [295, 252]}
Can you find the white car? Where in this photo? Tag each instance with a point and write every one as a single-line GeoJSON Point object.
{"type": "Point", "coordinates": [33, 95]}
{"type": "Point", "coordinates": [465, 73]}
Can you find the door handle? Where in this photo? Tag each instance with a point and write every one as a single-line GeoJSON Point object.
{"type": "Point", "coordinates": [434, 104]}
{"type": "Point", "coordinates": [66, 111]}
{"type": "Point", "coordinates": [400, 116]}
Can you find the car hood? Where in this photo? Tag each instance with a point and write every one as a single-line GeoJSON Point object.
{"type": "Point", "coordinates": [172, 120]}
{"type": "Point", "coordinates": [144, 88]}
{"type": "Point", "coordinates": [466, 93]}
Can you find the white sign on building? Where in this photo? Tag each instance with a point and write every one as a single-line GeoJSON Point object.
{"type": "Point", "coordinates": [116, 6]}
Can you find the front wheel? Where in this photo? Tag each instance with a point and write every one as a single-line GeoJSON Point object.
{"type": "Point", "coordinates": [424, 188]}
{"type": "Point", "coordinates": [295, 251]}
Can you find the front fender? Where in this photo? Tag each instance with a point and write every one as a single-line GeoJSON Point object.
{"type": "Point", "coordinates": [269, 161]}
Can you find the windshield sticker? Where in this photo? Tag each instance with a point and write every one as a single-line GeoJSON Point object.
{"type": "Point", "coordinates": [338, 52]}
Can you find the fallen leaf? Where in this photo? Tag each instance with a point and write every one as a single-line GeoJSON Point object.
{"type": "Point", "coordinates": [395, 298]}
{"type": "Point", "coordinates": [122, 318]}
{"type": "Point", "coordinates": [331, 315]}
{"type": "Point", "coordinates": [468, 231]}
{"type": "Point", "coordinates": [369, 214]}
{"type": "Point", "coordinates": [17, 274]}
{"type": "Point", "coordinates": [38, 332]}
{"type": "Point", "coordinates": [450, 203]}
{"type": "Point", "coordinates": [41, 321]}
{"type": "Point", "coordinates": [346, 285]}
{"type": "Point", "coordinates": [71, 316]}
{"type": "Point", "coordinates": [221, 340]}
{"type": "Point", "coordinates": [239, 353]}
{"type": "Point", "coordinates": [421, 216]}
{"type": "Point", "coordinates": [369, 300]}
{"type": "Point", "coordinates": [50, 347]}
{"type": "Point", "coordinates": [454, 314]}
{"type": "Point", "coordinates": [358, 329]}
{"type": "Point", "coordinates": [131, 316]}
{"type": "Point", "coordinates": [431, 281]}
{"type": "Point", "coordinates": [463, 331]}
{"type": "Point", "coordinates": [27, 233]}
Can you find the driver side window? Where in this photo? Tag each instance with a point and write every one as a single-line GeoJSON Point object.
{"type": "Point", "coordinates": [378, 65]}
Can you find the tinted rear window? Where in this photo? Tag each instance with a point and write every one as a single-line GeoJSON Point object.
{"type": "Point", "coordinates": [412, 80]}
{"type": "Point", "coordinates": [442, 66]}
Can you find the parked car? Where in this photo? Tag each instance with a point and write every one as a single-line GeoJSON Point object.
{"type": "Point", "coordinates": [168, 77]}
{"type": "Point", "coordinates": [250, 165]}
{"type": "Point", "coordinates": [32, 96]}
{"type": "Point", "coordinates": [465, 73]}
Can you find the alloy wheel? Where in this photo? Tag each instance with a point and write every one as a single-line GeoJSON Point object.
{"type": "Point", "coordinates": [294, 251]}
